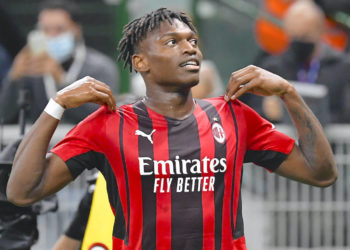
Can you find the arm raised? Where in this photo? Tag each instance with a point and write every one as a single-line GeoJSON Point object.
{"type": "Point", "coordinates": [311, 160]}
{"type": "Point", "coordinates": [36, 174]}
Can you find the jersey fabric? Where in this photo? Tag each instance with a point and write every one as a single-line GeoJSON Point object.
{"type": "Point", "coordinates": [175, 184]}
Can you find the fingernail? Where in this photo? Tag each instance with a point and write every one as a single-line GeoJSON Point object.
{"type": "Point", "coordinates": [233, 97]}
{"type": "Point", "coordinates": [226, 98]}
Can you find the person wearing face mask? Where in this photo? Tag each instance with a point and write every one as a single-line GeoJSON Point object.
{"type": "Point", "coordinates": [54, 56]}
{"type": "Point", "coordinates": [309, 60]}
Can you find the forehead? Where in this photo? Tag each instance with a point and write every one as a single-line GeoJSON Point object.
{"type": "Point", "coordinates": [165, 28]}
{"type": "Point", "coordinates": [176, 26]}
{"type": "Point", "coordinates": [54, 16]}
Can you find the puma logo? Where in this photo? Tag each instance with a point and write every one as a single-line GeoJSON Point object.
{"type": "Point", "coordinates": [149, 137]}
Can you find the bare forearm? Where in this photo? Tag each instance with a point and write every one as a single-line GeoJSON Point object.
{"type": "Point", "coordinates": [34, 175]}
{"type": "Point", "coordinates": [312, 140]}
{"type": "Point", "coordinates": [30, 160]}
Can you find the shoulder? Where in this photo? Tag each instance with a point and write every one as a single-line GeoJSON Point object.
{"type": "Point", "coordinates": [223, 106]}
{"type": "Point", "coordinates": [100, 118]}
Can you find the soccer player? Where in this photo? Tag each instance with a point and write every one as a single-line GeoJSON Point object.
{"type": "Point", "coordinates": [173, 165]}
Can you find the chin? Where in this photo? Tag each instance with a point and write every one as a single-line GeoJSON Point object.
{"type": "Point", "coordinates": [192, 80]}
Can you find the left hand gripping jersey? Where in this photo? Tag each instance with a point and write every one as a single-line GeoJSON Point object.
{"type": "Point", "coordinates": [175, 184]}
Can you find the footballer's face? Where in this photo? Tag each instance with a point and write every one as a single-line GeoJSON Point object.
{"type": "Point", "coordinates": [170, 55]}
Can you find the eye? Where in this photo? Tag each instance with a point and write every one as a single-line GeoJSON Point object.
{"type": "Point", "coordinates": [194, 41]}
{"type": "Point", "coordinates": [170, 42]}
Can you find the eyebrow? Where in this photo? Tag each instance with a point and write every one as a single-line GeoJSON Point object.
{"type": "Point", "coordinates": [176, 34]}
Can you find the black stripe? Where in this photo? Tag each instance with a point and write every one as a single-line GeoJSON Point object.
{"type": "Point", "coordinates": [114, 199]}
{"type": "Point", "coordinates": [266, 158]}
{"type": "Point", "coordinates": [234, 168]}
{"type": "Point", "coordinates": [239, 230]}
{"type": "Point", "coordinates": [186, 207]}
{"type": "Point", "coordinates": [219, 187]}
{"type": "Point", "coordinates": [121, 146]}
{"type": "Point", "coordinates": [78, 163]}
{"type": "Point", "coordinates": [149, 198]}
{"type": "Point", "coordinates": [93, 159]}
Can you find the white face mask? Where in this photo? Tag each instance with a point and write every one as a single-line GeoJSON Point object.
{"type": "Point", "coordinates": [61, 47]}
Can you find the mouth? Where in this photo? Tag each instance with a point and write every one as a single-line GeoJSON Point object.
{"type": "Point", "coordinates": [191, 64]}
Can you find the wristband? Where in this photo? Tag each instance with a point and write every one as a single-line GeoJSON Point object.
{"type": "Point", "coordinates": [54, 109]}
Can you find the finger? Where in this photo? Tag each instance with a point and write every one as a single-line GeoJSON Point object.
{"type": "Point", "coordinates": [237, 81]}
{"type": "Point", "coordinates": [106, 89]}
{"type": "Point", "coordinates": [245, 88]}
{"type": "Point", "coordinates": [234, 83]}
{"type": "Point", "coordinates": [102, 98]}
{"type": "Point", "coordinates": [242, 70]}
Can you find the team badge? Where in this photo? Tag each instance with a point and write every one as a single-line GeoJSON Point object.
{"type": "Point", "coordinates": [218, 132]}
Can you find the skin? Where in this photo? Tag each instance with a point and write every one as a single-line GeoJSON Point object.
{"type": "Point", "coordinates": [52, 22]}
{"type": "Point", "coordinates": [35, 175]}
{"type": "Point", "coordinates": [303, 27]}
{"type": "Point", "coordinates": [168, 88]}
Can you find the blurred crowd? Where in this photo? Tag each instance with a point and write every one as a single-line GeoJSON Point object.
{"type": "Point", "coordinates": [306, 45]}
{"type": "Point", "coordinates": [314, 53]}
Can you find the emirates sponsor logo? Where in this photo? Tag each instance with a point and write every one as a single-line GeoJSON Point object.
{"type": "Point", "coordinates": [184, 171]}
{"type": "Point", "coordinates": [218, 132]}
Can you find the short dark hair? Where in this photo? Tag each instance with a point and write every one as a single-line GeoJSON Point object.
{"type": "Point", "coordinates": [69, 6]}
{"type": "Point", "coordinates": [137, 30]}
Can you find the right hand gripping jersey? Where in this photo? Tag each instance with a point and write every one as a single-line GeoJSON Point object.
{"type": "Point", "coordinates": [175, 184]}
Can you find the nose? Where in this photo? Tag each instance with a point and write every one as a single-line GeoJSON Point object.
{"type": "Point", "coordinates": [189, 48]}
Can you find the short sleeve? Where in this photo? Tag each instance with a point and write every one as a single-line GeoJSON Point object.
{"type": "Point", "coordinates": [266, 146]}
{"type": "Point", "coordinates": [80, 148]}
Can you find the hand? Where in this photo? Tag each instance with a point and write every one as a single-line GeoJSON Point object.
{"type": "Point", "coordinates": [43, 64]}
{"type": "Point", "coordinates": [27, 64]}
{"type": "Point", "coordinates": [21, 64]}
{"type": "Point", "coordinates": [257, 81]}
{"type": "Point", "coordinates": [86, 90]}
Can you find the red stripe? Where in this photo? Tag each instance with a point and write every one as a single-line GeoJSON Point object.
{"type": "Point", "coordinates": [228, 126]}
{"type": "Point", "coordinates": [161, 152]}
{"type": "Point", "coordinates": [118, 244]}
{"type": "Point", "coordinates": [115, 159]}
{"type": "Point", "coordinates": [240, 158]}
{"type": "Point", "coordinates": [131, 153]}
{"type": "Point", "coordinates": [208, 204]}
{"type": "Point", "coordinates": [239, 244]}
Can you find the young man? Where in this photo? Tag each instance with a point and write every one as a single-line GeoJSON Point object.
{"type": "Point", "coordinates": [172, 164]}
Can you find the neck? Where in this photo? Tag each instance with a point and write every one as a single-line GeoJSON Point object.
{"type": "Point", "coordinates": [176, 105]}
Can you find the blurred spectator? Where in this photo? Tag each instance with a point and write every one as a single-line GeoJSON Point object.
{"type": "Point", "coordinates": [210, 83]}
{"type": "Point", "coordinates": [54, 57]}
{"type": "Point", "coordinates": [309, 60]}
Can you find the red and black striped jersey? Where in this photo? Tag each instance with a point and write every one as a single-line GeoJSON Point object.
{"type": "Point", "coordinates": [175, 184]}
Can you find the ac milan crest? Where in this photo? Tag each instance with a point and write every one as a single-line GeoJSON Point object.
{"type": "Point", "coordinates": [218, 132]}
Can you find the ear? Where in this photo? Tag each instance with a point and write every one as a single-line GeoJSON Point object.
{"type": "Point", "coordinates": [140, 63]}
